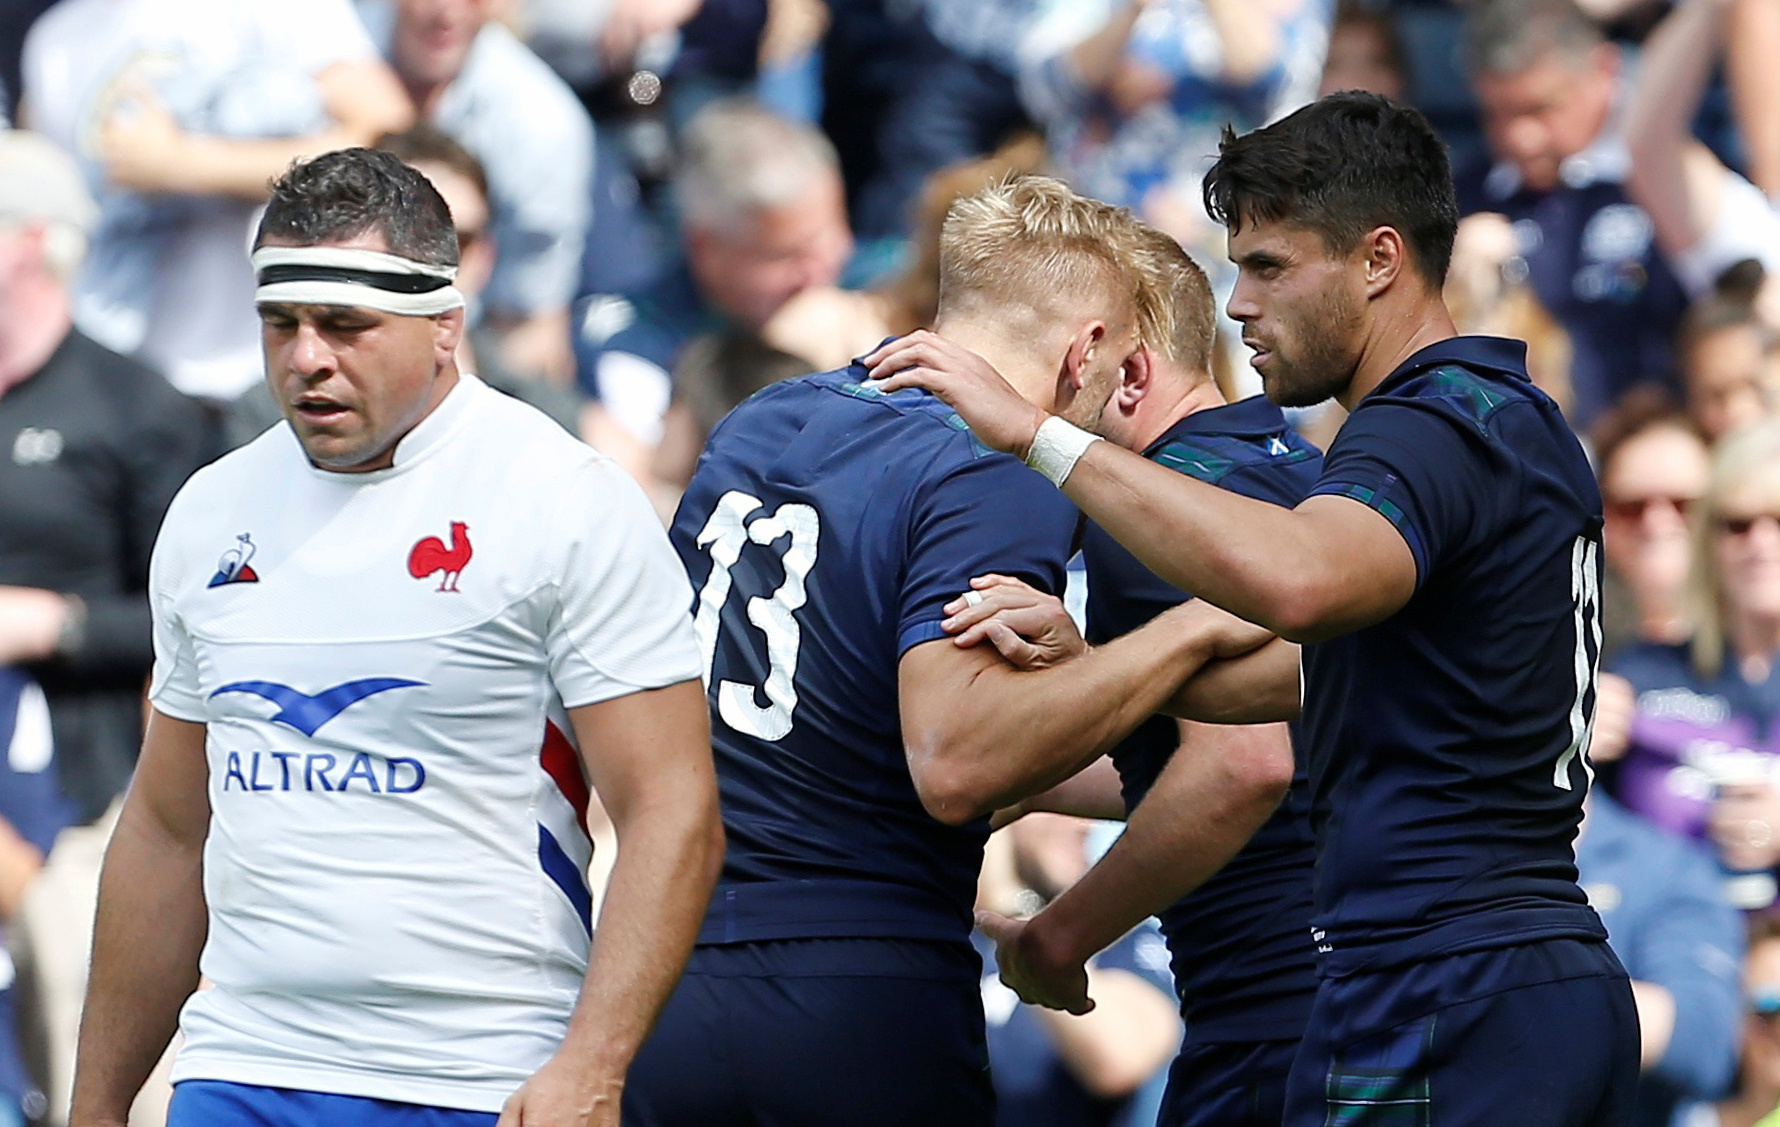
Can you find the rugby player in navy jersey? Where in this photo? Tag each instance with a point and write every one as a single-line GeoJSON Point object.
{"type": "Point", "coordinates": [1197, 796]}
{"type": "Point", "coordinates": [859, 750]}
{"type": "Point", "coordinates": [1444, 579]}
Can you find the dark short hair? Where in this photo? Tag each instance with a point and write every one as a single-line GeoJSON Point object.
{"type": "Point", "coordinates": [1715, 313]}
{"type": "Point", "coordinates": [350, 192]}
{"type": "Point", "coordinates": [427, 144]}
{"type": "Point", "coordinates": [1341, 166]}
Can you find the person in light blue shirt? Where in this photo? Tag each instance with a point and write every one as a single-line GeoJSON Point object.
{"type": "Point", "coordinates": [474, 80]}
{"type": "Point", "coordinates": [1682, 943]}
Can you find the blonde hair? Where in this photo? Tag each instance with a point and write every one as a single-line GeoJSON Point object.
{"type": "Point", "coordinates": [1030, 241]}
{"type": "Point", "coordinates": [1740, 457]}
{"type": "Point", "coordinates": [1190, 301]}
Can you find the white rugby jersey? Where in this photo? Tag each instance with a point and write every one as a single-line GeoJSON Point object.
{"type": "Point", "coordinates": [396, 859]}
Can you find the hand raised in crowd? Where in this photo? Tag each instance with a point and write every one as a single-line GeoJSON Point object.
{"type": "Point", "coordinates": [1039, 975]}
{"type": "Point", "coordinates": [1030, 628]}
{"type": "Point", "coordinates": [1616, 706]}
{"type": "Point", "coordinates": [965, 381]}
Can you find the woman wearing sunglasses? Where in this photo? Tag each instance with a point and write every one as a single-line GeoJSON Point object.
{"type": "Point", "coordinates": [1702, 756]}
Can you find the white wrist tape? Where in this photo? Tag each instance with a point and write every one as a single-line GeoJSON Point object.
{"type": "Point", "coordinates": [1057, 447]}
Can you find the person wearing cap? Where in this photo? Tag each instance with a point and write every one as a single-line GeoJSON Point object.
{"type": "Point", "coordinates": [398, 641]}
{"type": "Point", "coordinates": [92, 448]}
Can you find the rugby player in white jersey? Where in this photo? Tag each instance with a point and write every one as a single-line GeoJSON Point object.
{"type": "Point", "coordinates": [397, 636]}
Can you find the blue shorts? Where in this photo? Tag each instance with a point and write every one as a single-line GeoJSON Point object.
{"type": "Point", "coordinates": [1541, 1035]}
{"type": "Point", "coordinates": [218, 1103]}
{"type": "Point", "coordinates": [815, 1032]}
{"type": "Point", "coordinates": [1228, 1084]}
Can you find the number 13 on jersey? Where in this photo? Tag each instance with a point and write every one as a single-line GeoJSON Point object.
{"type": "Point", "coordinates": [724, 535]}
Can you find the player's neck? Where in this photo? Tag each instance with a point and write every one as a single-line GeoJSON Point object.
{"type": "Point", "coordinates": [1402, 326]}
{"type": "Point", "coordinates": [1024, 370]}
{"type": "Point", "coordinates": [1164, 409]}
{"type": "Point", "coordinates": [35, 322]}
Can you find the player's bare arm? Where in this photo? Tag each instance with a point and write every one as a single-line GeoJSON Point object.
{"type": "Point", "coordinates": [151, 923]}
{"type": "Point", "coordinates": [648, 755]}
{"type": "Point", "coordinates": [1092, 792]}
{"type": "Point", "coordinates": [981, 735]}
{"type": "Point", "coordinates": [1217, 790]}
{"type": "Point", "coordinates": [1033, 630]}
{"type": "Point", "coordinates": [1327, 567]}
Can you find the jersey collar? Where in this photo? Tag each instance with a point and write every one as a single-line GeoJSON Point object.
{"type": "Point", "coordinates": [1254, 417]}
{"type": "Point", "coordinates": [1494, 354]}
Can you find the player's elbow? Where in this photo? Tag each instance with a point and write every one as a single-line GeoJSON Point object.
{"type": "Point", "coordinates": [1305, 608]}
{"type": "Point", "coordinates": [949, 788]}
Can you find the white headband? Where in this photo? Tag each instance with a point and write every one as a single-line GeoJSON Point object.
{"type": "Point", "coordinates": [342, 276]}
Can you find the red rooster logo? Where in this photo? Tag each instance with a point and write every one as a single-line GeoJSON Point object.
{"type": "Point", "coordinates": [430, 554]}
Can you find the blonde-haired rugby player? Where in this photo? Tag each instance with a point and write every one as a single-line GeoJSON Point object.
{"type": "Point", "coordinates": [860, 751]}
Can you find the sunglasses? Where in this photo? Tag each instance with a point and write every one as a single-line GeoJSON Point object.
{"type": "Point", "coordinates": [1634, 509]}
{"type": "Point", "coordinates": [1743, 526]}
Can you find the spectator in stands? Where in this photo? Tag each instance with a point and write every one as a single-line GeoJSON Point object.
{"type": "Point", "coordinates": [713, 374]}
{"type": "Point", "coordinates": [1547, 83]}
{"type": "Point", "coordinates": [1653, 468]}
{"type": "Point", "coordinates": [1702, 756]}
{"type": "Point", "coordinates": [1757, 1098]}
{"type": "Point", "coordinates": [1707, 219]}
{"type": "Point", "coordinates": [1364, 53]}
{"type": "Point", "coordinates": [762, 219]}
{"type": "Point", "coordinates": [1681, 942]}
{"type": "Point", "coordinates": [32, 812]}
{"type": "Point", "coordinates": [1133, 96]}
{"type": "Point", "coordinates": [181, 112]}
{"type": "Point", "coordinates": [92, 448]}
{"type": "Point", "coordinates": [1053, 1069]}
{"type": "Point", "coordinates": [910, 86]}
{"type": "Point", "coordinates": [1723, 349]}
{"type": "Point", "coordinates": [472, 78]}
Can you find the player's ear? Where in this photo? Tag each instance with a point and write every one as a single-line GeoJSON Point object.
{"type": "Point", "coordinates": [1385, 257]}
{"type": "Point", "coordinates": [448, 330]}
{"type": "Point", "coordinates": [1079, 356]}
{"type": "Point", "coordinates": [1137, 378]}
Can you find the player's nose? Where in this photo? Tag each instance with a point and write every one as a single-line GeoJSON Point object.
{"type": "Point", "coordinates": [309, 354]}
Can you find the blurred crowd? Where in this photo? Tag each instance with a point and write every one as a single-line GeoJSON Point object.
{"type": "Point", "coordinates": [665, 205]}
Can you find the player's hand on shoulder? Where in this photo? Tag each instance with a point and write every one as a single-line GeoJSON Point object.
{"type": "Point", "coordinates": [564, 1093]}
{"type": "Point", "coordinates": [967, 382]}
{"type": "Point", "coordinates": [1030, 968]}
{"type": "Point", "coordinates": [1030, 628]}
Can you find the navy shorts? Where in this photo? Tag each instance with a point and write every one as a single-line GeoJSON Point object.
{"type": "Point", "coordinates": [1542, 1035]}
{"type": "Point", "coordinates": [1228, 1084]}
{"type": "Point", "coordinates": [816, 1032]}
{"type": "Point", "coordinates": [218, 1103]}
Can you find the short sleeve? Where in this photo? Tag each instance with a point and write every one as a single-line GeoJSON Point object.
{"type": "Point", "coordinates": [621, 622]}
{"type": "Point", "coordinates": [1425, 471]}
{"type": "Point", "coordinates": [174, 688]}
{"type": "Point", "coordinates": [990, 515]}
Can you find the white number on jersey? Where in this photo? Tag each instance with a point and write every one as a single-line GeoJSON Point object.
{"type": "Point", "coordinates": [1585, 589]}
{"type": "Point", "coordinates": [724, 536]}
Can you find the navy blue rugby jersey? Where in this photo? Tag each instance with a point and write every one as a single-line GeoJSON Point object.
{"type": "Point", "coordinates": [1239, 945]}
{"type": "Point", "coordinates": [825, 528]}
{"type": "Point", "coordinates": [1446, 742]}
